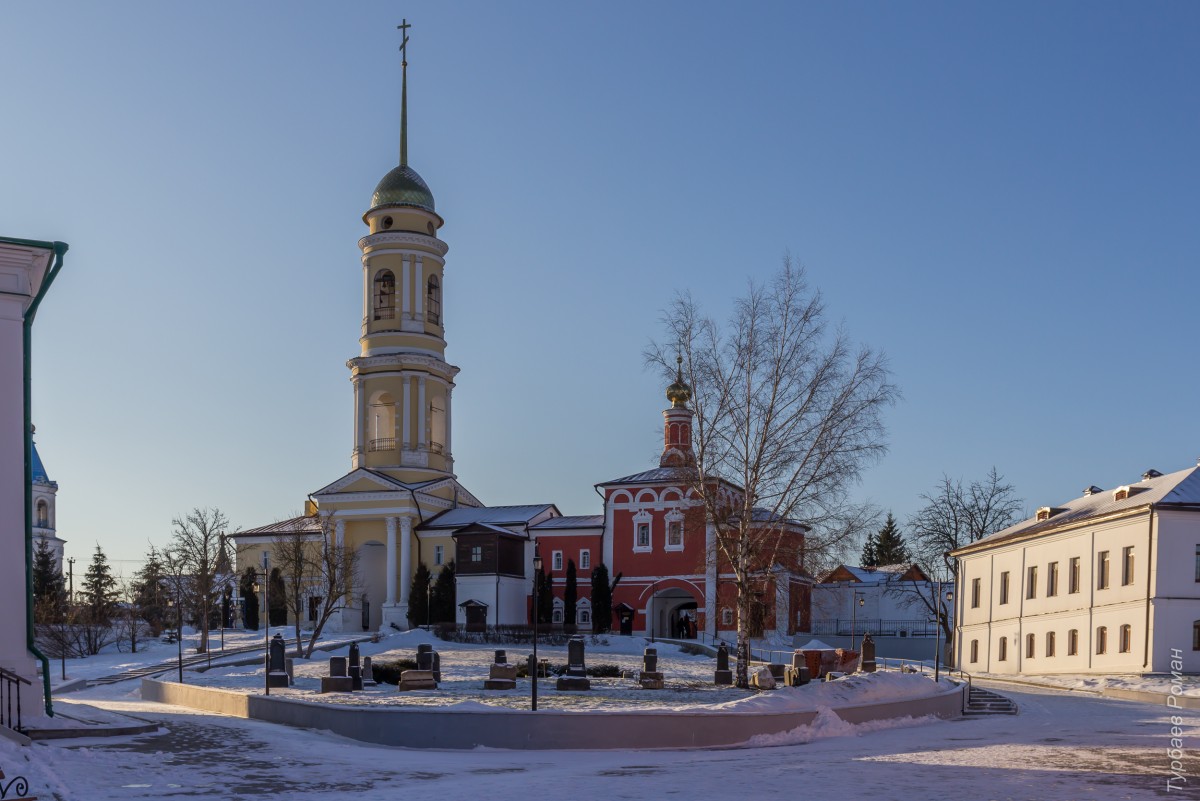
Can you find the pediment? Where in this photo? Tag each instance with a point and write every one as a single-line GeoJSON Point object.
{"type": "Point", "coordinates": [360, 480]}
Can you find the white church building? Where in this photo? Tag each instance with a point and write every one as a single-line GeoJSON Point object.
{"type": "Point", "coordinates": [1106, 583]}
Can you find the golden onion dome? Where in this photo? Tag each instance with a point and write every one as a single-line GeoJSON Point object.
{"type": "Point", "coordinates": [679, 393]}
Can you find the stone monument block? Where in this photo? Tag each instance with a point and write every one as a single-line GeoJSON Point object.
{"type": "Point", "coordinates": [502, 672]}
{"type": "Point", "coordinates": [763, 679]}
{"type": "Point", "coordinates": [723, 674]}
{"type": "Point", "coordinates": [576, 675]}
{"type": "Point", "coordinates": [337, 666]}
{"type": "Point", "coordinates": [651, 680]}
{"type": "Point", "coordinates": [368, 673]}
{"type": "Point", "coordinates": [867, 665]}
{"type": "Point", "coordinates": [417, 680]}
{"type": "Point", "coordinates": [650, 660]}
{"type": "Point", "coordinates": [501, 657]}
{"type": "Point", "coordinates": [336, 684]}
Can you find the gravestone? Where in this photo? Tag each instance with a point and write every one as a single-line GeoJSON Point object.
{"type": "Point", "coordinates": [576, 676]}
{"type": "Point", "coordinates": [355, 667]}
{"type": "Point", "coordinates": [763, 679]}
{"type": "Point", "coordinates": [798, 675]}
{"type": "Point", "coordinates": [368, 673]}
{"type": "Point", "coordinates": [501, 675]}
{"type": "Point", "coordinates": [428, 672]}
{"type": "Point", "coordinates": [429, 660]}
{"type": "Point", "coordinates": [337, 681]}
{"type": "Point", "coordinates": [277, 676]}
{"type": "Point", "coordinates": [868, 654]}
{"type": "Point", "coordinates": [723, 675]}
{"type": "Point", "coordinates": [289, 667]}
{"type": "Point", "coordinates": [651, 678]}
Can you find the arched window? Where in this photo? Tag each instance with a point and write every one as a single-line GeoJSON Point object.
{"type": "Point", "coordinates": [43, 514]}
{"type": "Point", "coordinates": [1102, 639]}
{"type": "Point", "coordinates": [1073, 642]}
{"type": "Point", "coordinates": [585, 617]}
{"type": "Point", "coordinates": [433, 300]}
{"type": "Point", "coordinates": [385, 295]}
{"type": "Point", "coordinates": [1126, 642]}
{"type": "Point", "coordinates": [974, 650]}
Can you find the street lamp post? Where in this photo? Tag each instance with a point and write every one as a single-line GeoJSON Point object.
{"type": "Point", "coordinates": [178, 632]}
{"type": "Point", "coordinates": [937, 632]}
{"type": "Point", "coordinates": [266, 589]}
{"type": "Point", "coordinates": [533, 669]}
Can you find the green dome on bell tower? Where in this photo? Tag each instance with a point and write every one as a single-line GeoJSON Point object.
{"type": "Point", "coordinates": [403, 186]}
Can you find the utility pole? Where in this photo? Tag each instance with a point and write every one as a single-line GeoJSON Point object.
{"type": "Point", "coordinates": [71, 580]}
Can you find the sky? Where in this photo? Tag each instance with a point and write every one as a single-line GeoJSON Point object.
{"type": "Point", "coordinates": [1001, 197]}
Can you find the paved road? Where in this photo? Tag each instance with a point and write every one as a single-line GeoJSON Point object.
{"type": "Point", "coordinates": [1062, 747]}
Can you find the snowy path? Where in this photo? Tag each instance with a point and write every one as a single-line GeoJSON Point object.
{"type": "Point", "coordinates": [1061, 746]}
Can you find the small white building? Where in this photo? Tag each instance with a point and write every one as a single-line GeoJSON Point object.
{"type": "Point", "coordinates": [888, 600]}
{"type": "Point", "coordinates": [1106, 583]}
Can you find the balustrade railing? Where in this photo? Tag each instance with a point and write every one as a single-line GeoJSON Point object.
{"type": "Point", "coordinates": [382, 444]}
{"type": "Point", "coordinates": [10, 689]}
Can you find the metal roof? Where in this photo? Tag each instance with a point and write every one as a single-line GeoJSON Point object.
{"type": "Point", "coordinates": [881, 574]}
{"type": "Point", "coordinates": [293, 525]}
{"type": "Point", "coordinates": [496, 515]}
{"type": "Point", "coordinates": [1181, 488]}
{"type": "Point", "coordinates": [657, 475]}
{"type": "Point", "coordinates": [39, 469]}
{"type": "Point", "coordinates": [576, 521]}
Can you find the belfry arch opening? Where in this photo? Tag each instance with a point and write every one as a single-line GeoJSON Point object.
{"type": "Point", "coordinates": [382, 422]}
{"type": "Point", "coordinates": [433, 300]}
{"type": "Point", "coordinates": [384, 295]}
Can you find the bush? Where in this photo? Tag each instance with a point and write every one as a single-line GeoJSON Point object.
{"type": "Point", "coordinates": [389, 672]}
{"type": "Point", "coordinates": [692, 650]}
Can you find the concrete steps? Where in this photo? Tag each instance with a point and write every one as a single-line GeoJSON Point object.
{"type": "Point", "coordinates": [985, 702]}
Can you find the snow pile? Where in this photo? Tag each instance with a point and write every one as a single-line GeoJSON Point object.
{"type": "Point", "coordinates": [859, 688]}
{"type": "Point", "coordinates": [827, 724]}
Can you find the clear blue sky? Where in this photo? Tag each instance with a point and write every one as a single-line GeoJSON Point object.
{"type": "Point", "coordinates": [1003, 197]}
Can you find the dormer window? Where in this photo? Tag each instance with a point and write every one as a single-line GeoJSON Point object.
{"type": "Point", "coordinates": [385, 295]}
{"type": "Point", "coordinates": [433, 300]}
{"type": "Point", "coordinates": [1121, 493]}
{"type": "Point", "coordinates": [1047, 512]}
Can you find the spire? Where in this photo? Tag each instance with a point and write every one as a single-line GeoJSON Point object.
{"type": "Point", "coordinates": [403, 28]}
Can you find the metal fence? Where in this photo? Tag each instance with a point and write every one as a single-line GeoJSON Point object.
{"type": "Point", "coordinates": [876, 627]}
{"type": "Point", "coordinates": [10, 692]}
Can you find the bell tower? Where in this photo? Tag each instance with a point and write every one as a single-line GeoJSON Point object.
{"type": "Point", "coordinates": [677, 424]}
{"type": "Point", "coordinates": [402, 382]}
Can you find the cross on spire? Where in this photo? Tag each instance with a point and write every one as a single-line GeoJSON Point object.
{"type": "Point", "coordinates": [403, 28]}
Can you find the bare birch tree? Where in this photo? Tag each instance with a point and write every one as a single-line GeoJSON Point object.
{"type": "Point", "coordinates": [197, 545]}
{"type": "Point", "coordinates": [787, 415]}
{"type": "Point", "coordinates": [293, 551]}
{"type": "Point", "coordinates": [334, 571]}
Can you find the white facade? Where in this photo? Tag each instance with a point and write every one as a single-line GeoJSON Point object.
{"type": "Point", "coordinates": [1108, 583]}
{"type": "Point", "coordinates": [24, 268]}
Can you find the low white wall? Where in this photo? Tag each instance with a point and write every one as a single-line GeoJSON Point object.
{"type": "Point", "coordinates": [522, 729]}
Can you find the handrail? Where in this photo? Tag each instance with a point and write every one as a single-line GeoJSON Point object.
{"type": "Point", "coordinates": [8, 688]}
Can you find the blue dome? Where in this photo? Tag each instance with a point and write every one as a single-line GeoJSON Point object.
{"type": "Point", "coordinates": [39, 469]}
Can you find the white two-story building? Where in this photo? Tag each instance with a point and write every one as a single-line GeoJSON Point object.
{"type": "Point", "coordinates": [1106, 583]}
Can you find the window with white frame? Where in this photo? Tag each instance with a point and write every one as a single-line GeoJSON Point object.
{"type": "Point", "coordinates": [675, 534]}
{"type": "Point", "coordinates": [642, 532]}
{"type": "Point", "coordinates": [476, 553]}
{"type": "Point", "coordinates": [585, 617]}
{"type": "Point", "coordinates": [439, 554]}
{"type": "Point", "coordinates": [558, 616]}
{"type": "Point", "coordinates": [727, 617]}
{"type": "Point", "coordinates": [556, 560]}
{"type": "Point", "coordinates": [585, 559]}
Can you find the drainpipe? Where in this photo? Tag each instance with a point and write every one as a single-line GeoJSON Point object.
{"type": "Point", "coordinates": [59, 249]}
{"type": "Point", "coordinates": [1149, 578]}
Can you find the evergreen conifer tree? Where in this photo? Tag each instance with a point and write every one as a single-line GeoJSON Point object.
{"type": "Point", "coordinates": [418, 597]}
{"type": "Point", "coordinates": [277, 598]}
{"type": "Point", "coordinates": [570, 594]}
{"type": "Point", "coordinates": [890, 548]}
{"type": "Point", "coordinates": [870, 552]}
{"type": "Point", "coordinates": [545, 598]}
{"type": "Point", "coordinates": [444, 595]}
{"type": "Point", "coordinates": [49, 594]}
{"type": "Point", "coordinates": [149, 593]}
{"type": "Point", "coordinates": [601, 600]}
{"type": "Point", "coordinates": [100, 591]}
{"type": "Point", "coordinates": [249, 599]}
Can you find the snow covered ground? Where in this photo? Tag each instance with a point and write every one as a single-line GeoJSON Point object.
{"type": "Point", "coordinates": [1155, 683]}
{"type": "Point", "coordinates": [1063, 745]}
